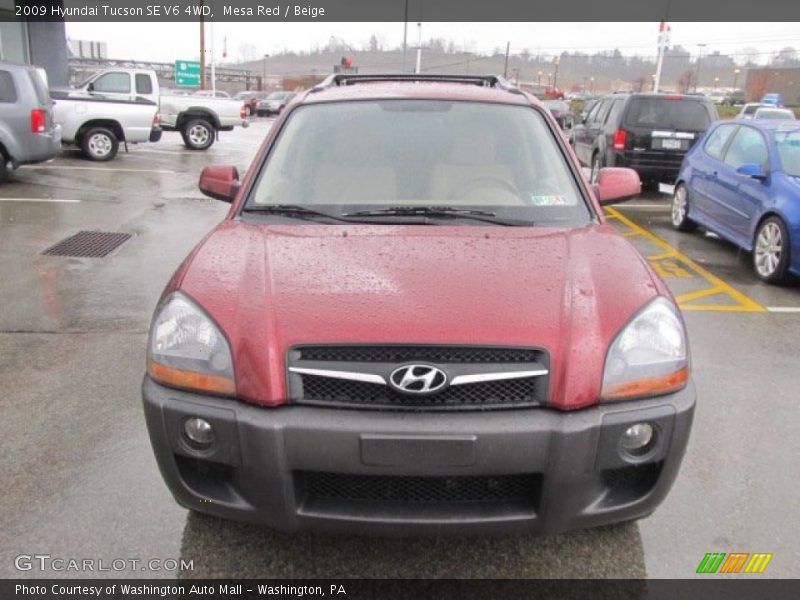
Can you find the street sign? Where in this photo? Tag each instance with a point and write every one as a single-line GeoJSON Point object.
{"type": "Point", "coordinates": [187, 73]}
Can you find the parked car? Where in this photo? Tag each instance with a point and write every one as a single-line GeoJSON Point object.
{"type": "Point", "coordinates": [28, 133]}
{"type": "Point", "coordinates": [114, 107]}
{"type": "Point", "coordinates": [772, 99]}
{"type": "Point", "coordinates": [741, 182]}
{"type": "Point", "coordinates": [327, 359]}
{"type": "Point", "coordinates": [561, 112]}
{"type": "Point", "coordinates": [774, 113]}
{"type": "Point", "coordinates": [274, 103]}
{"type": "Point", "coordinates": [649, 133]}
{"type": "Point", "coordinates": [251, 100]}
{"type": "Point", "coordinates": [748, 111]}
{"type": "Point", "coordinates": [197, 118]}
{"type": "Point", "coordinates": [734, 98]}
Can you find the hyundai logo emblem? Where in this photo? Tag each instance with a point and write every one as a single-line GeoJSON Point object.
{"type": "Point", "coordinates": [418, 379]}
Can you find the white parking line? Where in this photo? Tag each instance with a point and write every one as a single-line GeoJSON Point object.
{"type": "Point", "coordinates": [784, 309]}
{"type": "Point", "coordinates": [109, 169]}
{"type": "Point", "coordinates": [62, 200]}
{"type": "Point", "coordinates": [172, 152]}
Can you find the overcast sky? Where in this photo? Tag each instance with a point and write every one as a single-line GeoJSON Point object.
{"type": "Point", "coordinates": [170, 41]}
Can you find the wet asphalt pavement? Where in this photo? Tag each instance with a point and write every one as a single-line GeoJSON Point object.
{"type": "Point", "coordinates": [80, 481]}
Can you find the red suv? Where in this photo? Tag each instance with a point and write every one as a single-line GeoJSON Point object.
{"type": "Point", "coordinates": [415, 319]}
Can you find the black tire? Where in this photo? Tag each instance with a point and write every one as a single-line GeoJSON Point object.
{"type": "Point", "coordinates": [260, 113]}
{"type": "Point", "coordinates": [99, 144]}
{"type": "Point", "coordinates": [198, 134]}
{"type": "Point", "coordinates": [680, 209]}
{"type": "Point", "coordinates": [3, 169]}
{"type": "Point", "coordinates": [772, 251]}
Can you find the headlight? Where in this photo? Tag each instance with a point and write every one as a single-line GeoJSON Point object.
{"type": "Point", "coordinates": [187, 350]}
{"type": "Point", "coordinates": [649, 356]}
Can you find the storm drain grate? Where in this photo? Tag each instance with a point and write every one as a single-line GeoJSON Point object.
{"type": "Point", "coordinates": [89, 244]}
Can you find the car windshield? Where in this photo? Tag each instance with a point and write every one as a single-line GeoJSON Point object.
{"type": "Point", "coordinates": [788, 146]}
{"type": "Point", "coordinates": [369, 155]}
{"type": "Point", "coordinates": [774, 114]}
{"type": "Point", "coordinates": [669, 113]}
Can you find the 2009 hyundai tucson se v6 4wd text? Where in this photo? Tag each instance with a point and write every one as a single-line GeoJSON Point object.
{"type": "Point", "coordinates": [415, 319]}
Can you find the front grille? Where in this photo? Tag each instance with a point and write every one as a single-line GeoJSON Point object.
{"type": "Point", "coordinates": [508, 393]}
{"type": "Point", "coordinates": [405, 489]}
{"type": "Point", "coordinates": [322, 390]}
{"type": "Point", "coordinates": [435, 354]}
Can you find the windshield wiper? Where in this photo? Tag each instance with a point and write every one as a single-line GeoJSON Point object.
{"type": "Point", "coordinates": [436, 211]}
{"type": "Point", "coordinates": [293, 210]}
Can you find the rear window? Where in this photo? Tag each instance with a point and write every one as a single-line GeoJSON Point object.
{"type": "Point", "coordinates": [378, 154]}
{"type": "Point", "coordinates": [8, 93]}
{"type": "Point", "coordinates": [656, 113]}
{"type": "Point", "coordinates": [144, 85]}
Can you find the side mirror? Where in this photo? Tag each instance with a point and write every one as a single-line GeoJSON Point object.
{"type": "Point", "coordinates": [752, 170]}
{"type": "Point", "coordinates": [220, 182]}
{"type": "Point", "coordinates": [90, 87]}
{"type": "Point", "coordinates": [615, 184]}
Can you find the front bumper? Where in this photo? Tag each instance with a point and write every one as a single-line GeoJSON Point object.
{"type": "Point", "coordinates": [263, 459]}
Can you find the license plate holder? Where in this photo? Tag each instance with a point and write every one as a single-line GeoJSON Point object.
{"type": "Point", "coordinates": [670, 144]}
{"type": "Point", "coordinates": [418, 451]}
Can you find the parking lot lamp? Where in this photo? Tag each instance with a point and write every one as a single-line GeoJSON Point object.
{"type": "Point", "coordinates": [735, 78]}
{"type": "Point", "coordinates": [699, 60]}
{"type": "Point", "coordinates": [539, 79]}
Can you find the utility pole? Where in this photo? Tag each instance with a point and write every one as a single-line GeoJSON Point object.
{"type": "Point", "coordinates": [505, 67]}
{"type": "Point", "coordinates": [405, 36]}
{"type": "Point", "coordinates": [555, 75]}
{"type": "Point", "coordinates": [202, 50]}
{"type": "Point", "coordinates": [699, 59]}
{"type": "Point", "coordinates": [213, 64]}
{"type": "Point", "coordinates": [735, 78]}
{"type": "Point", "coordinates": [419, 48]}
{"type": "Point", "coordinates": [663, 42]}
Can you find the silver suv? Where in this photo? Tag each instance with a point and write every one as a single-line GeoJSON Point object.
{"type": "Point", "coordinates": [27, 131]}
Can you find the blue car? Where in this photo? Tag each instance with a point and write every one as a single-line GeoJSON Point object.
{"type": "Point", "coordinates": [772, 99]}
{"type": "Point", "coordinates": [742, 181]}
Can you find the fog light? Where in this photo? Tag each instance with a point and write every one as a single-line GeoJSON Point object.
{"type": "Point", "coordinates": [198, 431]}
{"type": "Point", "coordinates": [638, 439]}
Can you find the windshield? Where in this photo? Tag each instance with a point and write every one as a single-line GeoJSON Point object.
{"type": "Point", "coordinates": [788, 146]}
{"type": "Point", "coordinates": [352, 156]}
{"type": "Point", "coordinates": [668, 113]}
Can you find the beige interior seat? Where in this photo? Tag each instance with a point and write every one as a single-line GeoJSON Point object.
{"type": "Point", "coordinates": [354, 170]}
{"type": "Point", "coordinates": [465, 173]}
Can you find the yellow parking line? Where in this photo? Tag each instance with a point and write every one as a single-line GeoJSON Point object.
{"type": "Point", "coordinates": [745, 303]}
{"type": "Point", "coordinates": [699, 294]}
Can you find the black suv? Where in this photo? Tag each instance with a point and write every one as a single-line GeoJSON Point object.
{"type": "Point", "coordinates": [649, 133]}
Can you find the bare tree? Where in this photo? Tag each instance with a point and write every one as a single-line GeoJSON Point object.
{"type": "Point", "coordinates": [248, 52]}
{"type": "Point", "coordinates": [687, 81]}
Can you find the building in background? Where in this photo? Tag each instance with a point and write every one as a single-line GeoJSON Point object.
{"type": "Point", "coordinates": [87, 49]}
{"type": "Point", "coordinates": [43, 44]}
{"type": "Point", "coordinates": [784, 81]}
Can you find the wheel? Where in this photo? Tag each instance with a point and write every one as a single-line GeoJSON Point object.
{"type": "Point", "coordinates": [3, 168]}
{"type": "Point", "coordinates": [99, 144]}
{"type": "Point", "coordinates": [771, 251]}
{"type": "Point", "coordinates": [198, 134]}
{"type": "Point", "coordinates": [596, 166]}
{"type": "Point", "coordinates": [680, 210]}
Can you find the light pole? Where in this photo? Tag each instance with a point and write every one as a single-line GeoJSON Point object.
{"type": "Point", "coordinates": [716, 81]}
{"type": "Point", "coordinates": [549, 80]}
{"type": "Point", "coordinates": [591, 84]}
{"type": "Point", "coordinates": [539, 79]}
{"type": "Point", "coordinates": [419, 48]}
{"type": "Point", "coordinates": [735, 77]}
{"type": "Point", "coordinates": [699, 58]}
{"type": "Point", "coordinates": [264, 78]}
{"type": "Point", "coordinates": [405, 36]}
{"type": "Point", "coordinates": [556, 60]}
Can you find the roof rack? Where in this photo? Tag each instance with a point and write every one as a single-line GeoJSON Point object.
{"type": "Point", "coordinates": [343, 79]}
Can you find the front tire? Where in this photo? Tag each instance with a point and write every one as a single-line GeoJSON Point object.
{"type": "Point", "coordinates": [99, 144]}
{"type": "Point", "coordinates": [771, 251]}
{"type": "Point", "coordinates": [198, 134]}
{"type": "Point", "coordinates": [3, 168]}
{"type": "Point", "coordinates": [680, 209]}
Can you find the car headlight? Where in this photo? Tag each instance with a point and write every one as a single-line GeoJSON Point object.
{"type": "Point", "coordinates": [187, 350]}
{"type": "Point", "coordinates": [650, 356]}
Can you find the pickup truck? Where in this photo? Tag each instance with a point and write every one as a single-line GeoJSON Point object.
{"type": "Point", "coordinates": [197, 118]}
{"type": "Point", "coordinates": [110, 108]}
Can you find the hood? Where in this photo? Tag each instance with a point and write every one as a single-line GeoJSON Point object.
{"type": "Point", "coordinates": [274, 287]}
